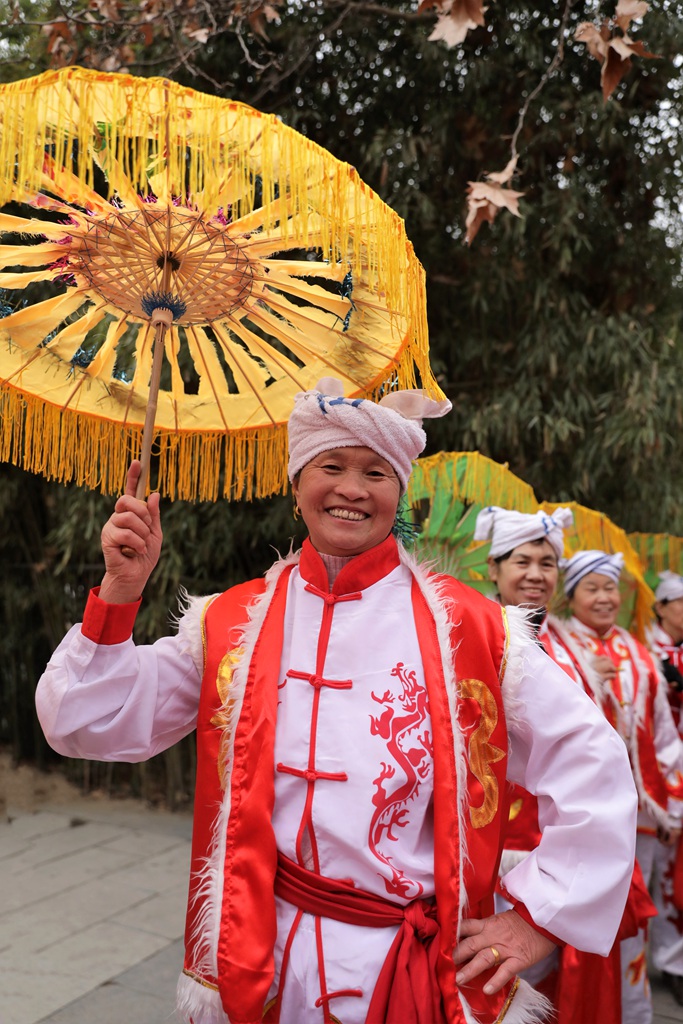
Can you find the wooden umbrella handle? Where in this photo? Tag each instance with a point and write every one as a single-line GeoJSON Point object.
{"type": "Point", "coordinates": [162, 325]}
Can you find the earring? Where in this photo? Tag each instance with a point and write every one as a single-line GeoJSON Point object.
{"type": "Point", "coordinates": [296, 512]}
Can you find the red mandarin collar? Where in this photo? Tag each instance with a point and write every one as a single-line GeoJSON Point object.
{"type": "Point", "coordinates": [361, 572]}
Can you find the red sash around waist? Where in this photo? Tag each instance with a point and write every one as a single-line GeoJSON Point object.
{"type": "Point", "coordinates": [407, 987]}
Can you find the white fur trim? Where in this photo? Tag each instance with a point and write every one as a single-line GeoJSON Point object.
{"type": "Point", "coordinates": [197, 1004]}
{"type": "Point", "coordinates": [189, 622]}
{"type": "Point", "coordinates": [521, 638]}
{"type": "Point", "coordinates": [209, 883]}
{"type": "Point", "coordinates": [659, 814]}
{"type": "Point", "coordinates": [641, 670]}
{"type": "Point", "coordinates": [440, 604]}
{"type": "Point", "coordinates": [527, 1007]}
{"type": "Point", "coordinates": [597, 688]}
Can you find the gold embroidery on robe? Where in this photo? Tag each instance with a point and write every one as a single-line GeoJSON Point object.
{"type": "Point", "coordinates": [483, 754]}
{"type": "Point", "coordinates": [223, 719]}
{"type": "Point", "coordinates": [515, 808]}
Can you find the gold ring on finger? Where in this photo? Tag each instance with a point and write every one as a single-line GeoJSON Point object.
{"type": "Point", "coordinates": [496, 955]}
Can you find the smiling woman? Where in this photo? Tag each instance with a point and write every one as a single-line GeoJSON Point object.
{"type": "Point", "coordinates": [353, 727]}
{"type": "Point", "coordinates": [348, 498]}
{"type": "Point", "coordinates": [633, 699]}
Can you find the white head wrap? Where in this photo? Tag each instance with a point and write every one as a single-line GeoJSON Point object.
{"type": "Point", "coordinates": [323, 419]}
{"type": "Point", "coordinates": [670, 587]}
{"type": "Point", "coordinates": [585, 562]}
{"type": "Point", "coordinates": [509, 529]}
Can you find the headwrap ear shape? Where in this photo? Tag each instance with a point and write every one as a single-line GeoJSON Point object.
{"type": "Point", "coordinates": [508, 528]}
{"type": "Point", "coordinates": [584, 562]}
{"type": "Point", "coordinates": [322, 419]}
{"type": "Point", "coordinates": [670, 586]}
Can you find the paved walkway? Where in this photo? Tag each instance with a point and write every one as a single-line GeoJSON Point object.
{"type": "Point", "coordinates": [92, 905]}
{"type": "Point", "coordinates": [92, 902]}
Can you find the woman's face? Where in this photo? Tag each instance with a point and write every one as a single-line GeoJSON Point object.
{"type": "Point", "coordinates": [671, 617]}
{"type": "Point", "coordinates": [528, 577]}
{"type": "Point", "coordinates": [596, 601]}
{"type": "Point", "coordinates": [348, 499]}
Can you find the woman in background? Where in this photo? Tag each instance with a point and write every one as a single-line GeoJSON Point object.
{"type": "Point", "coordinates": [634, 701]}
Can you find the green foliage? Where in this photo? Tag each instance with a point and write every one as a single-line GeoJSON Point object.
{"type": "Point", "coordinates": [50, 558]}
{"type": "Point", "coordinates": [557, 336]}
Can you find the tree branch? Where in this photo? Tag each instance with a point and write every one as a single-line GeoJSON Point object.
{"type": "Point", "coordinates": [550, 70]}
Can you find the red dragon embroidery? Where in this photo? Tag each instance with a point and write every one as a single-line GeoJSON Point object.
{"type": "Point", "coordinates": [413, 752]}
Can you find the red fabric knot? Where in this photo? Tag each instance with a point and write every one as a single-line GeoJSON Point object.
{"type": "Point", "coordinates": [330, 599]}
{"type": "Point", "coordinates": [424, 926]}
{"type": "Point", "coordinates": [407, 988]}
{"type": "Point", "coordinates": [310, 774]}
{"type": "Point", "coordinates": [318, 681]}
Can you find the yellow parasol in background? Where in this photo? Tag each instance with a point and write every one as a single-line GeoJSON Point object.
{"type": "Point", "coordinates": [450, 488]}
{"type": "Point", "coordinates": [658, 552]}
{"type": "Point", "coordinates": [136, 209]}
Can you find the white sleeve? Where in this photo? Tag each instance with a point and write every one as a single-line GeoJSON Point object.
{"type": "Point", "coordinates": [563, 750]}
{"type": "Point", "coordinates": [117, 702]}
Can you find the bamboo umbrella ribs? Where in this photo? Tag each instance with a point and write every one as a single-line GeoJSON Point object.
{"type": "Point", "coordinates": [134, 210]}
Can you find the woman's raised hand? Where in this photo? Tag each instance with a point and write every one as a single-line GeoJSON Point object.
{"type": "Point", "coordinates": [136, 526]}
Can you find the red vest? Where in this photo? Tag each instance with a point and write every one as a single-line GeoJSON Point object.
{"type": "Point", "coordinates": [241, 725]}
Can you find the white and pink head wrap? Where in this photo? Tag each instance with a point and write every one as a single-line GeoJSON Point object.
{"type": "Point", "coordinates": [508, 528]}
{"type": "Point", "coordinates": [323, 419]}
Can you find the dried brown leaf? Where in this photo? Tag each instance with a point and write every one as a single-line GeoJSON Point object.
{"type": "Point", "coordinates": [478, 214]}
{"type": "Point", "coordinates": [486, 198]}
{"type": "Point", "coordinates": [455, 19]}
{"type": "Point", "coordinates": [613, 70]}
{"type": "Point", "coordinates": [593, 38]}
{"type": "Point", "coordinates": [614, 52]}
{"type": "Point", "coordinates": [627, 11]}
{"type": "Point", "coordinates": [108, 9]}
{"type": "Point", "coordinates": [200, 34]}
{"type": "Point", "coordinates": [502, 177]}
{"type": "Point", "coordinates": [505, 198]}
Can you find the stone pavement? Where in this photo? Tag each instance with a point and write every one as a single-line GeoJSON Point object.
{"type": "Point", "coordinates": [92, 905]}
{"type": "Point", "coordinates": [92, 901]}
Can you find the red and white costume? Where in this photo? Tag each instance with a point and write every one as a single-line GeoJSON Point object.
{"type": "Point", "coordinates": [583, 987]}
{"type": "Point", "coordinates": [636, 704]}
{"type": "Point", "coordinates": [665, 867]}
{"type": "Point", "coordinates": [522, 832]}
{"type": "Point", "coordinates": [364, 732]}
{"type": "Point", "coordinates": [664, 648]}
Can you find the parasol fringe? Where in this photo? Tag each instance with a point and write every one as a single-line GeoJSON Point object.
{"type": "Point", "coordinates": [659, 551]}
{"type": "Point", "coordinates": [68, 445]}
{"type": "Point", "coordinates": [472, 477]}
{"type": "Point", "coordinates": [124, 123]}
{"type": "Point", "coordinates": [594, 530]}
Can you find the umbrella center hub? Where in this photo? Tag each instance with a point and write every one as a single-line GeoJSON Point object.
{"type": "Point", "coordinates": [133, 252]}
{"type": "Point", "coordinates": [169, 258]}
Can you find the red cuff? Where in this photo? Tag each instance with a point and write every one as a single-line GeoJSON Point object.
{"type": "Point", "coordinates": [108, 623]}
{"type": "Point", "coordinates": [520, 909]}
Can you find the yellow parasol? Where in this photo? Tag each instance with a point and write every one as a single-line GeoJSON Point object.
{"type": "Point", "coordinates": [450, 488]}
{"type": "Point", "coordinates": [658, 552]}
{"type": "Point", "coordinates": [137, 210]}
